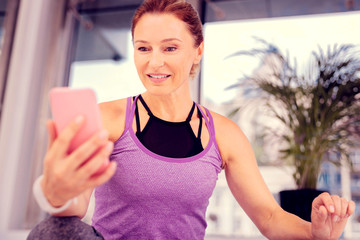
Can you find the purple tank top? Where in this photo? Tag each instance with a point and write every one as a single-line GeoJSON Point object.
{"type": "Point", "coordinates": [156, 197]}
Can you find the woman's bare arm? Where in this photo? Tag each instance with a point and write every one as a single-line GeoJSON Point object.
{"type": "Point", "coordinates": [249, 189]}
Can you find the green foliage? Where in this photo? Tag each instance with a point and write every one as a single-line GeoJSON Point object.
{"type": "Point", "coordinates": [320, 109]}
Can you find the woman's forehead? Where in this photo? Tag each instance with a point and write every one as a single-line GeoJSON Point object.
{"type": "Point", "coordinates": [160, 27]}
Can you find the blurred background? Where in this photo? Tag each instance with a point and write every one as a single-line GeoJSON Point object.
{"type": "Point", "coordinates": [87, 43]}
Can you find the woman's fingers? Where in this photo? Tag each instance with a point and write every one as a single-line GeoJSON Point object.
{"type": "Point", "coordinates": [325, 200]}
{"type": "Point", "coordinates": [95, 163]}
{"type": "Point", "coordinates": [350, 209]}
{"type": "Point", "coordinates": [50, 125]}
{"type": "Point", "coordinates": [103, 177]}
{"type": "Point", "coordinates": [61, 144]}
{"type": "Point", "coordinates": [323, 213]}
{"type": "Point", "coordinates": [88, 149]}
{"type": "Point", "coordinates": [333, 206]}
{"type": "Point", "coordinates": [344, 207]}
{"type": "Point", "coordinates": [337, 205]}
{"type": "Point", "coordinates": [67, 175]}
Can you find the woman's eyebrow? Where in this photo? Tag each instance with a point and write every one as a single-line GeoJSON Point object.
{"type": "Point", "coordinates": [164, 40]}
{"type": "Point", "coordinates": [171, 39]}
{"type": "Point", "coordinates": [140, 41]}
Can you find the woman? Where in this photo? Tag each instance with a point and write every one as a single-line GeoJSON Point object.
{"type": "Point", "coordinates": [166, 154]}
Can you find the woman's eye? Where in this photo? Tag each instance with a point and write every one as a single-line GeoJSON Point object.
{"type": "Point", "coordinates": [142, 49]}
{"type": "Point", "coordinates": [170, 49]}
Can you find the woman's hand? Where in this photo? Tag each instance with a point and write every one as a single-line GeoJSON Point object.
{"type": "Point", "coordinates": [68, 175]}
{"type": "Point", "coordinates": [329, 216]}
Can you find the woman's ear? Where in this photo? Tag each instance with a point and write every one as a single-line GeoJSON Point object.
{"type": "Point", "coordinates": [199, 53]}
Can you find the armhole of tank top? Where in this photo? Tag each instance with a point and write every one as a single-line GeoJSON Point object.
{"type": "Point", "coordinates": [212, 127]}
{"type": "Point", "coordinates": [211, 122]}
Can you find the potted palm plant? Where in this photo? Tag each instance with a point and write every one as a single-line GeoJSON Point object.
{"type": "Point", "coordinates": [317, 111]}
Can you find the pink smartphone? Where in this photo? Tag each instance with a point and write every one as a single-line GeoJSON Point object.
{"type": "Point", "coordinates": [66, 104]}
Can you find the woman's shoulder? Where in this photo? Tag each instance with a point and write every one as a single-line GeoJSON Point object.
{"type": "Point", "coordinates": [113, 114]}
{"type": "Point", "coordinates": [110, 107]}
{"type": "Point", "coordinates": [229, 136]}
{"type": "Point", "coordinates": [225, 127]}
{"type": "Point", "coordinates": [222, 123]}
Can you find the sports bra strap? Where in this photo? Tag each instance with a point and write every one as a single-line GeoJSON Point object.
{"type": "Point", "coordinates": [190, 113]}
{"type": "Point", "coordinates": [145, 106]}
{"type": "Point", "coordinates": [137, 117]}
{"type": "Point", "coordinates": [200, 123]}
{"type": "Point", "coordinates": [151, 114]}
{"type": "Point", "coordinates": [204, 115]}
{"type": "Point", "coordinates": [132, 108]}
{"type": "Point", "coordinates": [208, 120]}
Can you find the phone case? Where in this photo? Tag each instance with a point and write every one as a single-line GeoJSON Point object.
{"type": "Point", "coordinates": [67, 103]}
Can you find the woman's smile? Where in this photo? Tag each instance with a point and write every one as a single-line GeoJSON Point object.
{"type": "Point", "coordinates": [158, 77]}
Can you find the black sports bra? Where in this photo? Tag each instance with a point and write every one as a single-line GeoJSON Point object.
{"type": "Point", "coordinates": [169, 139]}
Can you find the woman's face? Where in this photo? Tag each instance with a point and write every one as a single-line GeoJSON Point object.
{"type": "Point", "coordinates": [164, 53]}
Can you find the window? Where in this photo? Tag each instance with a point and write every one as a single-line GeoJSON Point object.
{"type": "Point", "coordinates": [296, 35]}
{"type": "Point", "coordinates": [8, 14]}
{"type": "Point", "coordinates": [104, 53]}
{"type": "Point", "coordinates": [34, 58]}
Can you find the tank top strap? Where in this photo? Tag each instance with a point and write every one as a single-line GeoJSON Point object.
{"type": "Point", "coordinates": [128, 113]}
{"type": "Point", "coordinates": [130, 109]}
{"type": "Point", "coordinates": [211, 122]}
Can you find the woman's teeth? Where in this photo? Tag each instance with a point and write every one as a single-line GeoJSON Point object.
{"type": "Point", "coordinates": [158, 76]}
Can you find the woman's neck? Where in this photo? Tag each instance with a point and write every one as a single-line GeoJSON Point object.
{"type": "Point", "coordinates": [173, 107]}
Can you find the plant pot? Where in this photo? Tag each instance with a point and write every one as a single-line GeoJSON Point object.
{"type": "Point", "coordinates": [299, 202]}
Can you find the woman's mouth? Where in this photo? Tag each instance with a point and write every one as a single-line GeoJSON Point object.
{"type": "Point", "coordinates": [157, 78]}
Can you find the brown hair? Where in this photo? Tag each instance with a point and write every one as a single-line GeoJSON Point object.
{"type": "Point", "coordinates": [179, 8]}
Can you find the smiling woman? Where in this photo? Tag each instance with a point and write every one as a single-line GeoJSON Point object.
{"type": "Point", "coordinates": [165, 156]}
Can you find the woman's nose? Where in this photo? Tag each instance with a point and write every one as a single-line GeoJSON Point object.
{"type": "Point", "coordinates": [156, 60]}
